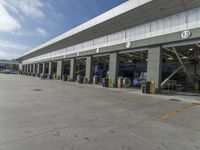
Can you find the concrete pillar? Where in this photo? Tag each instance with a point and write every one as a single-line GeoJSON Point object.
{"type": "Point", "coordinates": [26, 69]}
{"type": "Point", "coordinates": [154, 66]}
{"type": "Point", "coordinates": [38, 70]}
{"type": "Point", "coordinates": [23, 68]}
{"type": "Point", "coordinates": [20, 68]}
{"type": "Point", "coordinates": [73, 69]}
{"type": "Point", "coordinates": [59, 69]}
{"type": "Point", "coordinates": [89, 70]}
{"type": "Point", "coordinates": [43, 68]}
{"type": "Point", "coordinates": [31, 68]}
{"type": "Point", "coordinates": [113, 68]}
{"type": "Point", "coordinates": [34, 66]}
{"type": "Point", "coordinates": [50, 70]}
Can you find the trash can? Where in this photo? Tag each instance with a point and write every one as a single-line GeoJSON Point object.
{"type": "Point", "coordinates": [143, 86]}
{"type": "Point", "coordinates": [148, 87]}
{"type": "Point", "coordinates": [79, 79]}
{"type": "Point", "coordinates": [105, 82]}
{"type": "Point", "coordinates": [95, 79]}
{"type": "Point", "coordinates": [120, 82]}
{"type": "Point", "coordinates": [64, 78]}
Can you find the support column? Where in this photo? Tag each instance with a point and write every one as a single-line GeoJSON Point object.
{"type": "Point", "coordinates": [26, 69]}
{"type": "Point", "coordinates": [154, 66]}
{"type": "Point", "coordinates": [38, 70]}
{"type": "Point", "coordinates": [113, 68]}
{"type": "Point", "coordinates": [43, 68]}
{"type": "Point", "coordinates": [34, 69]}
{"type": "Point", "coordinates": [89, 70]}
{"type": "Point", "coordinates": [59, 69]}
{"type": "Point", "coordinates": [73, 69]}
{"type": "Point", "coordinates": [50, 70]}
{"type": "Point", "coordinates": [31, 69]}
{"type": "Point", "coordinates": [20, 69]}
{"type": "Point", "coordinates": [23, 69]}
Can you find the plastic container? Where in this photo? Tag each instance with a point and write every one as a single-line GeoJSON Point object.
{"type": "Point", "coordinates": [95, 79]}
{"type": "Point", "coordinates": [79, 79]}
{"type": "Point", "coordinates": [120, 82]}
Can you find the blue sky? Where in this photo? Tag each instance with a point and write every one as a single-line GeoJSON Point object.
{"type": "Point", "coordinates": [25, 24]}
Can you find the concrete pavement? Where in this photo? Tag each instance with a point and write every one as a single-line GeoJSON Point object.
{"type": "Point", "coordinates": [55, 115]}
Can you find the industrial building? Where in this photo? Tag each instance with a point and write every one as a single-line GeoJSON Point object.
{"type": "Point", "coordinates": [151, 40]}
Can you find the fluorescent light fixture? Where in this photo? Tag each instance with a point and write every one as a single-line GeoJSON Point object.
{"type": "Point", "coordinates": [191, 49]}
{"type": "Point", "coordinates": [171, 58]}
{"type": "Point", "coordinates": [184, 57]}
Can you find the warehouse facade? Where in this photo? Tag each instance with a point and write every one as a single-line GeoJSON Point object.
{"type": "Point", "coordinates": [155, 40]}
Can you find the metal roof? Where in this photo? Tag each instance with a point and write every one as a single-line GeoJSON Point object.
{"type": "Point", "coordinates": [126, 15]}
{"type": "Point", "coordinates": [2, 61]}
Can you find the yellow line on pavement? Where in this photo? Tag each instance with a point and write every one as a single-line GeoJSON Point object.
{"type": "Point", "coordinates": [164, 117]}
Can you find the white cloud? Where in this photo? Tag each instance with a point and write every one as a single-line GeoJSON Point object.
{"type": "Point", "coordinates": [11, 45]}
{"type": "Point", "coordinates": [10, 50]}
{"type": "Point", "coordinates": [30, 8]}
{"type": "Point", "coordinates": [41, 31]}
{"type": "Point", "coordinates": [8, 55]}
{"type": "Point", "coordinates": [7, 22]}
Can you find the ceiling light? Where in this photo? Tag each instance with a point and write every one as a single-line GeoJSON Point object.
{"type": "Point", "coordinates": [191, 49]}
{"type": "Point", "coordinates": [184, 57]}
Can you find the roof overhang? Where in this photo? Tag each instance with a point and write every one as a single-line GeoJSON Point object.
{"type": "Point", "coordinates": [126, 15]}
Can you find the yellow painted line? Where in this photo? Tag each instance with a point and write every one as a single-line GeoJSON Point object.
{"type": "Point", "coordinates": [164, 117]}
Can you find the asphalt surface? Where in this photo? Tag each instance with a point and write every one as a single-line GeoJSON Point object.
{"type": "Point", "coordinates": [55, 115]}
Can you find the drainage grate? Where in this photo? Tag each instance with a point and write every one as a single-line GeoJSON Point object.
{"type": "Point", "coordinates": [37, 90]}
